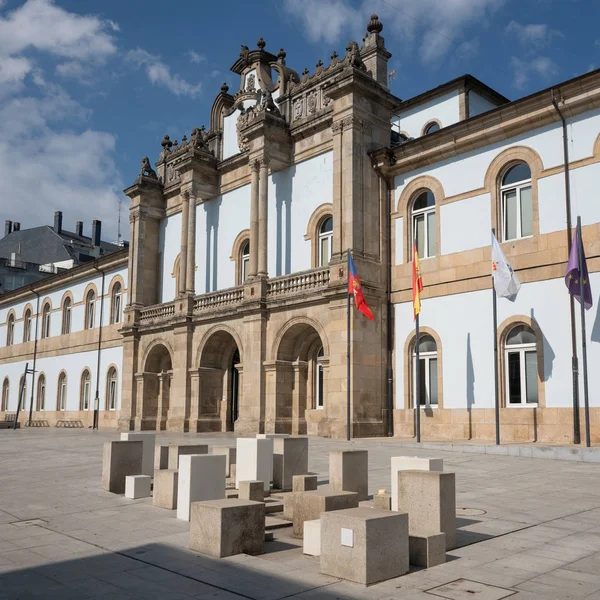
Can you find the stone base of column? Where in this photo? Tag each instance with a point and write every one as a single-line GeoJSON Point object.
{"type": "Point", "coordinates": [125, 423]}
{"type": "Point", "coordinates": [247, 427]}
{"type": "Point", "coordinates": [161, 424]}
{"type": "Point", "coordinates": [206, 424]}
{"type": "Point", "coordinates": [178, 424]}
{"type": "Point", "coordinates": [144, 424]}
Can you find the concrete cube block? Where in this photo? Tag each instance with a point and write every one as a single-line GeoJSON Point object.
{"type": "Point", "coordinates": [304, 483]}
{"type": "Point", "coordinates": [311, 542]}
{"type": "Point", "coordinates": [429, 498]}
{"type": "Point", "coordinates": [411, 463]}
{"type": "Point", "coordinates": [289, 500]}
{"type": "Point", "coordinates": [232, 472]}
{"type": "Point", "coordinates": [165, 489]}
{"type": "Point", "coordinates": [137, 486]}
{"type": "Point", "coordinates": [308, 506]}
{"type": "Point", "coordinates": [120, 459]}
{"type": "Point", "coordinates": [271, 436]}
{"type": "Point", "coordinates": [254, 461]}
{"type": "Point", "coordinates": [226, 527]}
{"type": "Point", "coordinates": [201, 477]}
{"type": "Point", "coordinates": [364, 545]}
{"type": "Point", "coordinates": [290, 457]}
{"type": "Point", "coordinates": [252, 490]}
{"type": "Point", "coordinates": [229, 453]}
{"type": "Point", "coordinates": [149, 441]}
{"type": "Point", "coordinates": [176, 451]}
{"type": "Point", "coordinates": [161, 457]}
{"type": "Point", "coordinates": [427, 550]}
{"type": "Point", "coordinates": [349, 472]}
{"type": "Point", "coordinates": [382, 501]}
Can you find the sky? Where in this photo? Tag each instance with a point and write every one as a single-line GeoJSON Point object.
{"type": "Point", "coordinates": [89, 88]}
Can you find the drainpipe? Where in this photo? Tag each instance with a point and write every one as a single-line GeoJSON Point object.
{"type": "Point", "coordinates": [575, 362]}
{"type": "Point", "coordinates": [37, 316]}
{"type": "Point", "coordinates": [97, 398]}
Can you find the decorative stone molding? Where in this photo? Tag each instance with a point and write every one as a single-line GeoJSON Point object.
{"type": "Point", "coordinates": [429, 123]}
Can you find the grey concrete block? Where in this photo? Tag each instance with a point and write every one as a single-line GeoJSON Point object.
{"type": "Point", "coordinates": [308, 506]}
{"type": "Point", "coordinates": [161, 457]}
{"type": "Point", "coordinates": [230, 455]}
{"type": "Point", "coordinates": [349, 472]}
{"type": "Point", "coordinates": [429, 498]}
{"type": "Point", "coordinates": [176, 450]}
{"type": "Point", "coordinates": [304, 483]}
{"type": "Point", "coordinates": [149, 441]}
{"type": "Point", "coordinates": [427, 550]}
{"type": "Point", "coordinates": [290, 457]}
{"type": "Point", "coordinates": [364, 545]}
{"type": "Point", "coordinates": [226, 527]}
{"type": "Point", "coordinates": [165, 489]}
{"type": "Point", "coordinates": [252, 490]}
{"type": "Point", "coordinates": [382, 501]}
{"type": "Point", "coordinates": [119, 460]}
{"type": "Point", "coordinates": [138, 486]}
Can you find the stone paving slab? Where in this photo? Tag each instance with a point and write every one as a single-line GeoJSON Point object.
{"type": "Point", "coordinates": [531, 525]}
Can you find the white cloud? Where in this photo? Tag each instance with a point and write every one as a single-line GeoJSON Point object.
{"type": "Point", "coordinates": [536, 35]}
{"type": "Point", "coordinates": [215, 73]}
{"type": "Point", "coordinates": [541, 67]}
{"type": "Point", "coordinates": [71, 68]}
{"type": "Point", "coordinates": [196, 58]}
{"type": "Point", "coordinates": [14, 69]}
{"type": "Point", "coordinates": [160, 74]}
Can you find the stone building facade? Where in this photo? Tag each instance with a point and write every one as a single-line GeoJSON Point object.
{"type": "Point", "coordinates": [236, 281]}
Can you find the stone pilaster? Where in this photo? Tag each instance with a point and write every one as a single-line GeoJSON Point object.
{"type": "Point", "coordinates": [253, 267]}
{"type": "Point", "coordinates": [185, 213]}
{"type": "Point", "coordinates": [299, 396]}
{"type": "Point", "coordinates": [180, 393]}
{"type": "Point", "coordinates": [190, 284]}
{"type": "Point", "coordinates": [263, 215]}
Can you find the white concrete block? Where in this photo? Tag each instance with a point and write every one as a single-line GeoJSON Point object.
{"type": "Point", "coordinates": [271, 436]}
{"type": "Point", "coordinates": [254, 461]}
{"type": "Point", "coordinates": [411, 463]}
{"type": "Point", "coordinates": [201, 477]}
{"type": "Point", "coordinates": [148, 441]}
{"type": "Point", "coordinates": [137, 486]}
{"type": "Point", "coordinates": [312, 538]}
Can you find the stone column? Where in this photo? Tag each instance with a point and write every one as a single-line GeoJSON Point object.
{"type": "Point", "coordinates": [263, 213]}
{"type": "Point", "coordinates": [131, 258]}
{"type": "Point", "coordinates": [190, 286]}
{"type": "Point", "coordinates": [253, 267]}
{"type": "Point", "coordinates": [185, 213]}
{"type": "Point", "coordinates": [140, 238]}
{"type": "Point", "coordinates": [299, 397]}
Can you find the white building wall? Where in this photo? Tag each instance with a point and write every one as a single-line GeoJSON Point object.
{"type": "Point", "coordinates": [170, 246]}
{"type": "Point", "coordinates": [465, 225]}
{"type": "Point", "coordinates": [230, 144]}
{"type": "Point", "coordinates": [478, 104]}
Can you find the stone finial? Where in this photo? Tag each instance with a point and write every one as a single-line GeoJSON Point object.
{"type": "Point", "coordinates": [305, 72]}
{"type": "Point", "coordinates": [166, 142]}
{"type": "Point", "coordinates": [184, 139]}
{"type": "Point", "coordinates": [334, 55]}
{"type": "Point", "coordinates": [281, 54]}
{"type": "Point", "coordinates": [374, 25]}
{"type": "Point", "coordinates": [147, 170]}
{"type": "Point", "coordinates": [261, 44]}
{"type": "Point", "coordinates": [320, 64]}
{"type": "Point", "coordinates": [224, 87]}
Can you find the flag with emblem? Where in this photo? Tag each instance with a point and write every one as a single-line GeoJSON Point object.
{"type": "Point", "coordinates": [574, 274]}
{"type": "Point", "coordinates": [506, 282]}
{"type": "Point", "coordinates": [417, 283]}
{"type": "Point", "coordinates": [355, 289]}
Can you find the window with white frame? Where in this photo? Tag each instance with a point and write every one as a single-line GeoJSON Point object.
{"type": "Point", "coordinates": [517, 203]}
{"type": "Point", "coordinates": [115, 304]}
{"type": "Point", "coordinates": [27, 326]}
{"type": "Point", "coordinates": [66, 323]}
{"type": "Point", "coordinates": [46, 321]}
{"type": "Point", "coordinates": [111, 389]}
{"type": "Point", "coordinates": [521, 367]}
{"type": "Point", "coordinates": [244, 262]}
{"type": "Point", "coordinates": [424, 224]}
{"type": "Point", "coordinates": [432, 127]}
{"type": "Point", "coordinates": [428, 372]}
{"type": "Point", "coordinates": [61, 403]}
{"type": "Point", "coordinates": [5, 394]}
{"type": "Point", "coordinates": [86, 390]}
{"type": "Point", "coordinates": [10, 330]}
{"type": "Point", "coordinates": [23, 392]}
{"type": "Point", "coordinates": [319, 395]}
{"type": "Point", "coordinates": [90, 302]}
{"type": "Point", "coordinates": [325, 241]}
{"type": "Point", "coordinates": [41, 393]}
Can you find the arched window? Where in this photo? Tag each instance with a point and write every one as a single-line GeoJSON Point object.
{"type": "Point", "coordinates": [428, 372]}
{"type": "Point", "coordinates": [424, 224]}
{"type": "Point", "coordinates": [521, 367]}
{"type": "Point", "coordinates": [10, 330]}
{"type": "Point", "coordinates": [115, 303]}
{"type": "Point", "coordinates": [66, 317]}
{"type": "Point", "coordinates": [23, 392]}
{"type": "Point", "coordinates": [90, 301]}
{"type": "Point", "coordinates": [41, 393]}
{"type": "Point", "coordinates": [61, 394]}
{"type": "Point", "coordinates": [244, 262]}
{"type": "Point", "coordinates": [517, 203]}
{"type": "Point", "coordinates": [5, 394]}
{"type": "Point", "coordinates": [319, 396]}
{"type": "Point", "coordinates": [431, 128]}
{"type": "Point", "coordinates": [325, 241]}
{"type": "Point", "coordinates": [86, 391]}
{"type": "Point", "coordinates": [111, 389]}
{"type": "Point", "coordinates": [27, 326]}
{"type": "Point", "coordinates": [46, 321]}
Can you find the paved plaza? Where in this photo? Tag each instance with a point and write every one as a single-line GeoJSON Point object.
{"type": "Point", "coordinates": [529, 529]}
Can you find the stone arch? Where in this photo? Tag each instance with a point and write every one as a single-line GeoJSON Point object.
{"type": "Point", "coordinates": [236, 254]}
{"type": "Point", "coordinates": [221, 327]}
{"type": "Point", "coordinates": [429, 123]}
{"type": "Point", "coordinates": [297, 323]}
{"type": "Point", "coordinates": [151, 347]}
{"type": "Point", "coordinates": [312, 233]}
{"type": "Point", "coordinates": [596, 149]}
{"type": "Point", "coordinates": [154, 386]}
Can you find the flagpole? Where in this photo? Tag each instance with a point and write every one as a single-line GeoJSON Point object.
{"type": "Point", "coordinates": [586, 401]}
{"type": "Point", "coordinates": [348, 350]}
{"type": "Point", "coordinates": [417, 381]}
{"type": "Point", "coordinates": [495, 321]}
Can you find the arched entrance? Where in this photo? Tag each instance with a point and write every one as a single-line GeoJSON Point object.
{"type": "Point", "coordinates": [296, 380]}
{"type": "Point", "coordinates": [153, 387]}
{"type": "Point", "coordinates": [218, 383]}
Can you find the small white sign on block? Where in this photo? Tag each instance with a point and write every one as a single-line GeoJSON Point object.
{"type": "Point", "coordinates": [347, 537]}
{"type": "Point", "coordinates": [411, 463]}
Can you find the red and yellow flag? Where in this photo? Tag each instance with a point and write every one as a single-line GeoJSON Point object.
{"type": "Point", "coordinates": [417, 283]}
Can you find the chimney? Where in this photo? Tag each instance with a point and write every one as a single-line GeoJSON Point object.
{"type": "Point", "coordinates": [96, 227]}
{"type": "Point", "coordinates": [16, 226]}
{"type": "Point", "coordinates": [79, 228]}
{"type": "Point", "coordinates": [7, 228]}
{"type": "Point", "coordinates": [58, 222]}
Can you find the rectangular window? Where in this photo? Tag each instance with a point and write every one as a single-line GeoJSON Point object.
{"type": "Point", "coordinates": [319, 386]}
{"type": "Point", "coordinates": [112, 403]}
{"type": "Point", "coordinates": [433, 382]}
{"type": "Point", "coordinates": [86, 395]}
{"type": "Point", "coordinates": [431, 249]}
{"type": "Point", "coordinates": [63, 395]}
{"type": "Point", "coordinates": [526, 212]}
{"type": "Point", "coordinates": [420, 235]}
{"type": "Point", "coordinates": [510, 215]}
{"type": "Point", "coordinates": [117, 309]}
{"type": "Point", "coordinates": [67, 320]}
{"type": "Point", "coordinates": [514, 377]}
{"type": "Point", "coordinates": [531, 377]}
{"type": "Point", "coordinates": [245, 266]}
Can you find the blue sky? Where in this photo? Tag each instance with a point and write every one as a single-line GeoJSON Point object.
{"type": "Point", "coordinates": [88, 88]}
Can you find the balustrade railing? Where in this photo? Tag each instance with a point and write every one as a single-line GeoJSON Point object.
{"type": "Point", "coordinates": [218, 299]}
{"type": "Point", "coordinates": [298, 282]}
{"type": "Point", "coordinates": [158, 312]}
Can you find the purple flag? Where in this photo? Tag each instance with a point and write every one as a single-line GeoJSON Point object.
{"type": "Point", "coordinates": [572, 276]}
